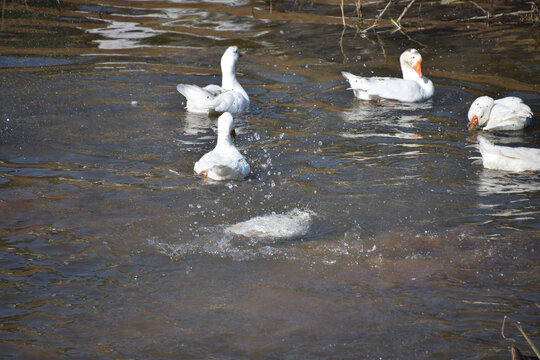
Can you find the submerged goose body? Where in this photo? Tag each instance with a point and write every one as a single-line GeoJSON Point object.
{"type": "Point", "coordinates": [413, 87]}
{"type": "Point", "coordinates": [508, 158]}
{"type": "Point", "coordinates": [229, 97]}
{"type": "Point", "coordinates": [225, 162]}
{"type": "Point", "coordinates": [509, 113]}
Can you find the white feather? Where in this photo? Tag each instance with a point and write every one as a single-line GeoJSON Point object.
{"type": "Point", "coordinates": [225, 162]}
{"type": "Point", "coordinates": [413, 87]}
{"type": "Point", "coordinates": [509, 113]}
{"type": "Point", "coordinates": [229, 97]}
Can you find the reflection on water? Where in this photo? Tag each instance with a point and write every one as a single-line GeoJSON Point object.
{"type": "Point", "coordinates": [364, 229]}
{"type": "Point", "coordinates": [383, 110]}
{"type": "Point", "coordinates": [495, 186]}
{"type": "Point", "coordinates": [197, 124]}
{"type": "Point", "coordinates": [493, 182]}
{"type": "Point", "coordinates": [122, 35]}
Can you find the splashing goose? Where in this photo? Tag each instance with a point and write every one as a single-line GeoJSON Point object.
{"type": "Point", "coordinates": [414, 87]}
{"type": "Point", "coordinates": [508, 158]}
{"type": "Point", "coordinates": [229, 97]}
{"type": "Point", "coordinates": [509, 113]}
{"type": "Point", "coordinates": [224, 162]}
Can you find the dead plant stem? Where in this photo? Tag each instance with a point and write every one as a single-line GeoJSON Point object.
{"type": "Point", "coordinates": [378, 17]}
{"type": "Point", "coordinates": [405, 11]}
{"type": "Point", "coordinates": [342, 14]}
{"type": "Point", "coordinates": [484, 17]}
{"type": "Point", "coordinates": [518, 326]}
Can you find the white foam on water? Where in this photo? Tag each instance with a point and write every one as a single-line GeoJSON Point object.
{"type": "Point", "coordinates": [223, 246]}
{"type": "Point", "coordinates": [292, 224]}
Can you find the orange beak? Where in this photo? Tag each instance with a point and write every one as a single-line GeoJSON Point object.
{"type": "Point", "coordinates": [233, 134]}
{"type": "Point", "coordinates": [474, 123]}
{"type": "Point", "coordinates": [206, 179]}
{"type": "Point", "coordinates": [418, 67]}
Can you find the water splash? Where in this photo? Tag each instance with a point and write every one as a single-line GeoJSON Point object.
{"type": "Point", "coordinates": [292, 224]}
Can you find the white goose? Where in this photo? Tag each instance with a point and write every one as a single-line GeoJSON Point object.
{"type": "Point", "coordinates": [414, 87]}
{"type": "Point", "coordinates": [508, 158]}
{"type": "Point", "coordinates": [224, 162]}
{"type": "Point", "coordinates": [229, 97]}
{"type": "Point", "coordinates": [509, 113]}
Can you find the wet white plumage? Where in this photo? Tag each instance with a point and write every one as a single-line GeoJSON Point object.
{"type": "Point", "coordinates": [229, 97]}
{"type": "Point", "coordinates": [509, 113]}
{"type": "Point", "coordinates": [508, 158]}
{"type": "Point", "coordinates": [414, 87]}
{"type": "Point", "coordinates": [225, 162]}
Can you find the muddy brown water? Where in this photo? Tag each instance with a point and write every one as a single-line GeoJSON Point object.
{"type": "Point", "coordinates": [112, 248]}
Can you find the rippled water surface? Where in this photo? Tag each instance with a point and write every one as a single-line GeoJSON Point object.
{"type": "Point", "coordinates": [382, 236]}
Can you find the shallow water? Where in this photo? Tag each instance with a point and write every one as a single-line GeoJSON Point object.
{"type": "Point", "coordinates": [406, 248]}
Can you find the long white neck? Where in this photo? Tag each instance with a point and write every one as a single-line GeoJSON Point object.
{"type": "Point", "coordinates": [407, 70]}
{"type": "Point", "coordinates": [224, 141]}
{"type": "Point", "coordinates": [228, 79]}
{"type": "Point", "coordinates": [225, 126]}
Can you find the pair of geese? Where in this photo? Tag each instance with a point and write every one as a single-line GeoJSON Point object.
{"type": "Point", "coordinates": [225, 162]}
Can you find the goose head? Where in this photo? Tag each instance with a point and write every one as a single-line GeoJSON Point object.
{"type": "Point", "coordinates": [411, 64]}
{"type": "Point", "coordinates": [479, 112]}
{"type": "Point", "coordinates": [229, 59]}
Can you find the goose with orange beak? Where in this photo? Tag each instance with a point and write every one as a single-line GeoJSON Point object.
{"type": "Point", "coordinates": [413, 87]}
{"type": "Point", "coordinates": [509, 113]}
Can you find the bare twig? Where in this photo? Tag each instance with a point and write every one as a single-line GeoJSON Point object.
{"type": "Point", "coordinates": [345, 59]}
{"type": "Point", "coordinates": [405, 11]}
{"type": "Point", "coordinates": [478, 6]}
{"type": "Point", "coordinates": [484, 17]}
{"type": "Point", "coordinates": [517, 355]}
{"type": "Point", "coordinates": [381, 44]}
{"type": "Point", "coordinates": [402, 31]}
{"type": "Point", "coordinates": [342, 14]}
{"type": "Point", "coordinates": [378, 17]}
{"type": "Point", "coordinates": [397, 25]}
{"type": "Point", "coordinates": [488, 15]}
{"type": "Point", "coordinates": [535, 350]}
{"type": "Point", "coordinates": [358, 4]}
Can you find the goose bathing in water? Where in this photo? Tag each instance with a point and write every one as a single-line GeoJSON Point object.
{"type": "Point", "coordinates": [414, 87]}
{"type": "Point", "coordinates": [225, 162]}
{"type": "Point", "coordinates": [509, 113]}
{"type": "Point", "coordinates": [508, 158]}
{"type": "Point", "coordinates": [229, 97]}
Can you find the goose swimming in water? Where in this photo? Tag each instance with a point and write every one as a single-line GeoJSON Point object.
{"type": "Point", "coordinates": [509, 113]}
{"type": "Point", "coordinates": [414, 87]}
{"type": "Point", "coordinates": [229, 97]}
{"type": "Point", "coordinates": [225, 162]}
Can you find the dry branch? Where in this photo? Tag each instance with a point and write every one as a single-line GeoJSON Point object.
{"type": "Point", "coordinates": [489, 16]}
{"type": "Point", "coordinates": [405, 11]}
{"type": "Point", "coordinates": [378, 18]}
{"type": "Point", "coordinates": [518, 326]}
